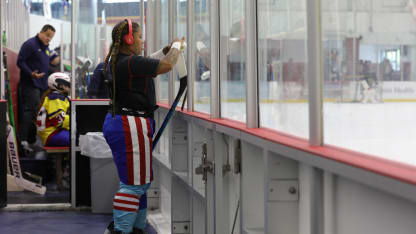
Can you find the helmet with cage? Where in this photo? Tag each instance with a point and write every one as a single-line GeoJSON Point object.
{"type": "Point", "coordinates": [57, 80]}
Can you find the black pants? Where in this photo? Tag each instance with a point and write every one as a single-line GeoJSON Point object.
{"type": "Point", "coordinates": [29, 99]}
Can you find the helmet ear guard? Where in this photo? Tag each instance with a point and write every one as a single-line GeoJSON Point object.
{"type": "Point", "coordinates": [128, 38]}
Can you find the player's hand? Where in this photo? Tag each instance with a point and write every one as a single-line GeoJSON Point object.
{"type": "Point", "coordinates": [37, 75]}
{"type": "Point", "coordinates": [167, 48]}
{"type": "Point", "coordinates": [182, 41]}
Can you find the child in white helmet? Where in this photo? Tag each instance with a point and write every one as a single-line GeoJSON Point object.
{"type": "Point", "coordinates": [52, 119]}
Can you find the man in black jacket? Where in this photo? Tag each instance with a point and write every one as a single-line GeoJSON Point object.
{"type": "Point", "coordinates": [33, 60]}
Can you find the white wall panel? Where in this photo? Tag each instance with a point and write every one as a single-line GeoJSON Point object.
{"type": "Point", "coordinates": [362, 210]}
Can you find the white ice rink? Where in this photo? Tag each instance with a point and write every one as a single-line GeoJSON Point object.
{"type": "Point", "coordinates": [386, 130]}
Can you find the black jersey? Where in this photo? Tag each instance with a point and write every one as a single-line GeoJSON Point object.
{"type": "Point", "coordinates": [135, 88]}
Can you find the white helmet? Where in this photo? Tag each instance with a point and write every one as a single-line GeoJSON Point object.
{"type": "Point", "coordinates": [58, 78]}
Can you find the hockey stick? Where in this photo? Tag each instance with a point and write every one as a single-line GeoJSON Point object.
{"type": "Point", "coordinates": [182, 87]}
{"type": "Point", "coordinates": [9, 90]}
{"type": "Point", "coordinates": [183, 83]}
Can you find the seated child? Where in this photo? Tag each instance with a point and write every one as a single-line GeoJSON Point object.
{"type": "Point", "coordinates": [52, 120]}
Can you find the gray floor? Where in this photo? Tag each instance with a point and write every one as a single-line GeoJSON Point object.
{"type": "Point", "coordinates": [55, 222]}
{"type": "Point", "coordinates": [27, 197]}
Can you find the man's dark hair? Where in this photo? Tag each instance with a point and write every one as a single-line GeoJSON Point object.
{"type": "Point", "coordinates": [47, 27]}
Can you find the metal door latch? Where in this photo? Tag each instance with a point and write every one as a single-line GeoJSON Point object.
{"type": "Point", "coordinates": [206, 166]}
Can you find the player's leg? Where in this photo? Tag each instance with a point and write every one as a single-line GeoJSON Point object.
{"type": "Point", "coordinates": [126, 206]}
{"type": "Point", "coordinates": [140, 223]}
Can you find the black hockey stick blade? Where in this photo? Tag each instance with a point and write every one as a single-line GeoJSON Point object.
{"type": "Point", "coordinates": [182, 86]}
{"type": "Point", "coordinates": [184, 100]}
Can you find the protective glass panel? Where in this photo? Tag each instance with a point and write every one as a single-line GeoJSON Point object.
{"type": "Point", "coordinates": [95, 21]}
{"type": "Point", "coordinates": [164, 40]}
{"type": "Point", "coordinates": [202, 85]}
{"type": "Point", "coordinates": [283, 89]}
{"type": "Point", "coordinates": [232, 60]}
{"type": "Point", "coordinates": [180, 30]}
{"type": "Point", "coordinates": [369, 77]}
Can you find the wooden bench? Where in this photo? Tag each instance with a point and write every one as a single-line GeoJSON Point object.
{"type": "Point", "coordinates": [60, 153]}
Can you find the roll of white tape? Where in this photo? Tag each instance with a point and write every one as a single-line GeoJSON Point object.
{"type": "Point", "coordinates": [176, 45]}
{"type": "Point", "coordinates": [180, 66]}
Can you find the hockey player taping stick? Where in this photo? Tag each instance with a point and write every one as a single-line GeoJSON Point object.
{"type": "Point", "coordinates": [180, 67]}
{"type": "Point", "coordinates": [129, 125]}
